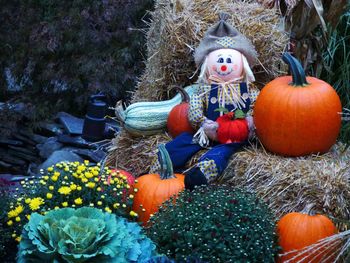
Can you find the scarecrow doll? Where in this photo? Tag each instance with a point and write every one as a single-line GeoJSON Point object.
{"type": "Point", "coordinates": [224, 56]}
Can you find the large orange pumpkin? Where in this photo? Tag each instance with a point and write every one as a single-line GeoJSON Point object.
{"type": "Point", "coordinates": [154, 189]}
{"type": "Point", "coordinates": [299, 230]}
{"type": "Point", "coordinates": [178, 122]}
{"type": "Point", "coordinates": [297, 115]}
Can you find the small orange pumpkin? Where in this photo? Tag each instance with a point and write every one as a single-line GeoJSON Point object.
{"type": "Point", "coordinates": [299, 230]}
{"type": "Point", "coordinates": [297, 115]}
{"type": "Point", "coordinates": [154, 189]}
{"type": "Point", "coordinates": [178, 122]}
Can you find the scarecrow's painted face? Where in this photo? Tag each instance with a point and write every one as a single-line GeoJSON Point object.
{"type": "Point", "coordinates": [226, 64]}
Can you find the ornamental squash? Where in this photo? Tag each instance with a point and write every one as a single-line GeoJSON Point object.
{"type": "Point", "coordinates": [154, 189]}
{"type": "Point", "coordinates": [148, 118]}
{"type": "Point", "coordinates": [178, 122]}
{"type": "Point", "coordinates": [297, 115]}
{"type": "Point", "coordinates": [232, 128]}
{"type": "Point", "coordinates": [299, 230]}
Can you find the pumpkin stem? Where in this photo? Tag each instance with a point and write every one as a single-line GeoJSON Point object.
{"type": "Point", "coordinates": [308, 209]}
{"type": "Point", "coordinates": [298, 73]}
{"type": "Point", "coordinates": [166, 166]}
{"type": "Point", "coordinates": [185, 98]}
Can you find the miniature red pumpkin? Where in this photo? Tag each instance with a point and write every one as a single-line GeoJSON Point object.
{"type": "Point", "coordinates": [154, 189]}
{"type": "Point", "coordinates": [129, 177]}
{"type": "Point", "coordinates": [178, 122]}
{"type": "Point", "coordinates": [299, 230]}
{"type": "Point", "coordinates": [297, 115]}
{"type": "Point", "coordinates": [232, 129]}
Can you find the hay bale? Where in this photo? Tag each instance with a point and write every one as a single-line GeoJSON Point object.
{"type": "Point", "coordinates": [134, 154]}
{"type": "Point", "coordinates": [176, 28]}
{"type": "Point", "coordinates": [288, 184]}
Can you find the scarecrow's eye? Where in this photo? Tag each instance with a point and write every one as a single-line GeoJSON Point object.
{"type": "Point", "coordinates": [220, 60]}
{"type": "Point", "coordinates": [228, 60]}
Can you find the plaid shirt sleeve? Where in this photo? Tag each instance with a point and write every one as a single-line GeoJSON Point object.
{"type": "Point", "coordinates": [197, 108]}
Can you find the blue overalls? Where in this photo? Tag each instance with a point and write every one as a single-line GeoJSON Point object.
{"type": "Point", "coordinates": [181, 149]}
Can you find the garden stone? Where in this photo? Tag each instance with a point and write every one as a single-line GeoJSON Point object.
{"type": "Point", "coordinates": [72, 125]}
{"type": "Point", "coordinates": [49, 129]}
{"type": "Point", "coordinates": [59, 156]}
{"type": "Point", "coordinates": [23, 139]}
{"type": "Point", "coordinates": [6, 142]}
{"type": "Point", "coordinates": [49, 147]}
{"type": "Point", "coordinates": [74, 141]}
{"type": "Point", "coordinates": [39, 139]}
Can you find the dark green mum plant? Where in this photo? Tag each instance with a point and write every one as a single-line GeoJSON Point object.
{"type": "Point", "coordinates": [215, 224]}
{"type": "Point", "coordinates": [83, 235]}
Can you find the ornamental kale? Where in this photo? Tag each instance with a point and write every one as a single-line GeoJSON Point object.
{"type": "Point", "coordinates": [83, 235]}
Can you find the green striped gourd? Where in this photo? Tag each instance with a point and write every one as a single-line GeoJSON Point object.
{"type": "Point", "coordinates": [148, 118]}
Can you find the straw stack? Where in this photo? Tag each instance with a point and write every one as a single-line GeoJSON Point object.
{"type": "Point", "coordinates": [288, 184]}
{"type": "Point", "coordinates": [176, 28]}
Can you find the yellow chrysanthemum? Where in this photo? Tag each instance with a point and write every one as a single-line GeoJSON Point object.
{"type": "Point", "coordinates": [64, 190]}
{"type": "Point", "coordinates": [27, 201]}
{"type": "Point", "coordinates": [50, 169]}
{"type": "Point", "coordinates": [56, 208]}
{"type": "Point", "coordinates": [18, 239]}
{"type": "Point", "coordinates": [48, 195]}
{"type": "Point", "coordinates": [12, 213]}
{"type": "Point", "coordinates": [46, 177]}
{"type": "Point", "coordinates": [10, 223]}
{"type": "Point", "coordinates": [28, 217]}
{"type": "Point", "coordinates": [99, 202]}
{"type": "Point", "coordinates": [66, 169]}
{"type": "Point", "coordinates": [81, 168]}
{"type": "Point", "coordinates": [79, 188]}
{"type": "Point", "coordinates": [19, 209]}
{"type": "Point", "coordinates": [54, 178]}
{"type": "Point", "coordinates": [78, 201]}
{"type": "Point", "coordinates": [116, 205]}
{"type": "Point", "coordinates": [35, 203]}
{"type": "Point", "coordinates": [99, 189]}
{"type": "Point", "coordinates": [18, 219]}
{"type": "Point", "coordinates": [65, 204]}
{"type": "Point", "coordinates": [108, 210]}
{"type": "Point", "coordinates": [88, 175]}
{"type": "Point", "coordinates": [95, 172]}
{"type": "Point", "coordinates": [65, 178]}
{"type": "Point", "coordinates": [96, 179]}
{"type": "Point", "coordinates": [51, 187]}
{"type": "Point", "coordinates": [84, 180]}
{"type": "Point", "coordinates": [56, 174]}
{"type": "Point", "coordinates": [86, 162]}
{"type": "Point", "coordinates": [73, 186]}
{"type": "Point", "coordinates": [132, 213]}
{"type": "Point", "coordinates": [90, 185]}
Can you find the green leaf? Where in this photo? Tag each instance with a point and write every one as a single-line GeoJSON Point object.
{"type": "Point", "coordinates": [239, 114]}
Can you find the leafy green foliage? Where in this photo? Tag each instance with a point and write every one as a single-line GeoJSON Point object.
{"type": "Point", "coordinates": [83, 235]}
{"type": "Point", "coordinates": [215, 224]}
{"type": "Point", "coordinates": [54, 54]}
{"type": "Point", "coordinates": [337, 65]}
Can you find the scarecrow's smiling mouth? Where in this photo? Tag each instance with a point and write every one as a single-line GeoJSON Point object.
{"type": "Point", "coordinates": [223, 73]}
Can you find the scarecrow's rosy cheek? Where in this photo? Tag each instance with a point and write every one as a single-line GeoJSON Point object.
{"type": "Point", "coordinates": [235, 67]}
{"type": "Point", "coordinates": [214, 67]}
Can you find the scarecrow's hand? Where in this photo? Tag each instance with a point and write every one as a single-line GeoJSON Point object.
{"type": "Point", "coordinates": [251, 127]}
{"type": "Point", "coordinates": [210, 129]}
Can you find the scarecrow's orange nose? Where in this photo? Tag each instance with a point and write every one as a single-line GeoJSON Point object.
{"type": "Point", "coordinates": [223, 68]}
